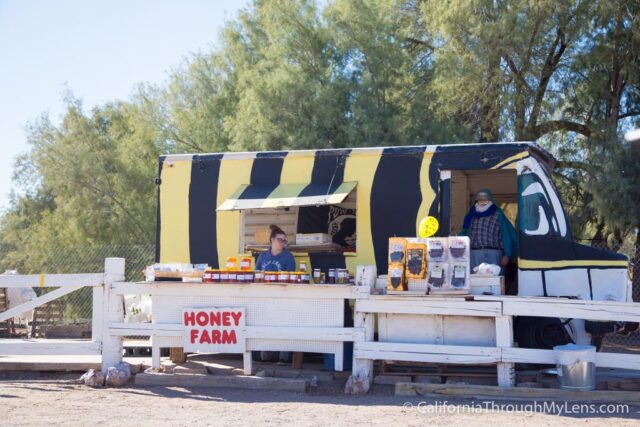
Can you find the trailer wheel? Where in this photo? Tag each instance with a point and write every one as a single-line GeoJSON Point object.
{"type": "Point", "coordinates": [540, 332]}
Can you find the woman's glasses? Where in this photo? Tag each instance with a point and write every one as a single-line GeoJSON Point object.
{"type": "Point", "coordinates": [281, 240]}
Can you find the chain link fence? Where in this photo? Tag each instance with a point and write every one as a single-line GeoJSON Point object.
{"type": "Point", "coordinates": [70, 316]}
{"type": "Point", "coordinates": [629, 343]}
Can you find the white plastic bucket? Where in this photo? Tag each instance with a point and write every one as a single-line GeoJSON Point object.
{"type": "Point", "coordinates": [576, 366]}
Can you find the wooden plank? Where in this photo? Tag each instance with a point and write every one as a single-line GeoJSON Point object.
{"type": "Point", "coordinates": [239, 290]}
{"type": "Point", "coordinates": [50, 280]}
{"type": "Point", "coordinates": [296, 360]}
{"type": "Point", "coordinates": [604, 360]}
{"type": "Point", "coordinates": [30, 305]}
{"type": "Point", "coordinates": [322, 248]}
{"type": "Point", "coordinates": [504, 338]}
{"type": "Point", "coordinates": [493, 392]}
{"type": "Point", "coordinates": [618, 360]}
{"type": "Point", "coordinates": [97, 318]}
{"type": "Point", "coordinates": [591, 310]}
{"type": "Point", "coordinates": [427, 348]}
{"type": "Point", "coordinates": [426, 353]}
{"type": "Point", "coordinates": [177, 355]}
{"type": "Point", "coordinates": [254, 332]}
{"type": "Point", "coordinates": [427, 306]}
{"type": "Point", "coordinates": [228, 381]}
{"type": "Point", "coordinates": [113, 311]}
{"type": "Point", "coordinates": [35, 347]}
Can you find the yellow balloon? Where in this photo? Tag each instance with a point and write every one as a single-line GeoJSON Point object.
{"type": "Point", "coordinates": [428, 227]}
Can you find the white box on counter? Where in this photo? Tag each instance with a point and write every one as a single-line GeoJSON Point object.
{"type": "Point", "coordinates": [313, 239]}
{"type": "Point", "coordinates": [486, 284]}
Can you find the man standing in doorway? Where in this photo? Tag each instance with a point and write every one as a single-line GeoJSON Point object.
{"type": "Point", "coordinates": [493, 238]}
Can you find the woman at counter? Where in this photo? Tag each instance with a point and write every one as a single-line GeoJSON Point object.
{"type": "Point", "coordinates": [277, 258]}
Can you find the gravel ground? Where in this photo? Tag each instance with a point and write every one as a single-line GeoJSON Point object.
{"type": "Point", "coordinates": [41, 400]}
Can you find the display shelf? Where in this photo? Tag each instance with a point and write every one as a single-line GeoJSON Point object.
{"type": "Point", "coordinates": [330, 248]}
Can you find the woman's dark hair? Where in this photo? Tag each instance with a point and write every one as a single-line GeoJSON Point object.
{"type": "Point", "coordinates": [275, 230]}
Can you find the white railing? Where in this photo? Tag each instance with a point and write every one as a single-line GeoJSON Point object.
{"type": "Point", "coordinates": [498, 349]}
{"type": "Point", "coordinates": [66, 283]}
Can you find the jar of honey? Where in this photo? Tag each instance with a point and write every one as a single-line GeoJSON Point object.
{"type": "Point", "coordinates": [249, 276]}
{"type": "Point", "coordinates": [283, 277]}
{"type": "Point", "coordinates": [232, 263]}
{"type": "Point", "coordinates": [332, 276]}
{"type": "Point", "coordinates": [207, 277]}
{"type": "Point", "coordinates": [304, 277]}
{"type": "Point", "coordinates": [233, 276]}
{"type": "Point", "coordinates": [215, 276]}
{"type": "Point", "coordinates": [246, 263]}
{"type": "Point", "coordinates": [224, 276]}
{"type": "Point", "coordinates": [258, 276]}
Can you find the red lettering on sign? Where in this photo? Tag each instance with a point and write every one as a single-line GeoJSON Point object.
{"type": "Point", "coordinates": [236, 317]}
{"type": "Point", "coordinates": [215, 318]}
{"type": "Point", "coordinates": [215, 336]}
{"type": "Point", "coordinates": [202, 318]}
{"type": "Point", "coordinates": [225, 318]}
{"type": "Point", "coordinates": [205, 338]}
{"type": "Point", "coordinates": [194, 335]}
{"type": "Point", "coordinates": [189, 318]}
{"type": "Point", "coordinates": [229, 337]}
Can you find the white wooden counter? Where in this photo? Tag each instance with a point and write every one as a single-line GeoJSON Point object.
{"type": "Point", "coordinates": [279, 317]}
{"type": "Point", "coordinates": [472, 330]}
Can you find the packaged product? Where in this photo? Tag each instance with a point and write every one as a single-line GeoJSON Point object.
{"type": "Point", "coordinates": [459, 248]}
{"type": "Point", "coordinates": [416, 260]}
{"type": "Point", "coordinates": [437, 249]}
{"type": "Point", "coordinates": [397, 247]}
{"type": "Point", "coordinates": [459, 275]}
{"type": "Point", "coordinates": [396, 280]}
{"type": "Point", "coordinates": [437, 274]}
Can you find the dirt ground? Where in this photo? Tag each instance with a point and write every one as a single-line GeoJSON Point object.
{"type": "Point", "coordinates": [57, 400]}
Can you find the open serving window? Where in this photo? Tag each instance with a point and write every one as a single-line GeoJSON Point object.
{"type": "Point", "coordinates": [297, 209]}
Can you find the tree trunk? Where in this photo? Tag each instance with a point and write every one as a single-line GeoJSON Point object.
{"type": "Point", "coordinates": [635, 272]}
{"type": "Point", "coordinates": [490, 104]}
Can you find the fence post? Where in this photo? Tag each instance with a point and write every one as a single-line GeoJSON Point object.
{"type": "Point", "coordinates": [504, 339]}
{"type": "Point", "coordinates": [113, 311]}
{"type": "Point", "coordinates": [97, 313]}
{"type": "Point", "coordinates": [362, 369]}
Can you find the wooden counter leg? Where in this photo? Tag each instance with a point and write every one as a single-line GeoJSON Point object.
{"type": "Point", "coordinates": [155, 354]}
{"type": "Point", "coordinates": [247, 362]}
{"type": "Point", "coordinates": [504, 338]}
{"type": "Point", "coordinates": [177, 355]}
{"type": "Point", "coordinates": [296, 360]}
{"type": "Point", "coordinates": [362, 372]}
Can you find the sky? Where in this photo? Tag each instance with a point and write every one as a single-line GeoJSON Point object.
{"type": "Point", "coordinates": [98, 50]}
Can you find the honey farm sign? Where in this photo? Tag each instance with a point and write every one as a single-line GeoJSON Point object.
{"type": "Point", "coordinates": [213, 330]}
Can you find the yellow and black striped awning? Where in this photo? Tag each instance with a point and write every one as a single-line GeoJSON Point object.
{"type": "Point", "coordinates": [255, 196]}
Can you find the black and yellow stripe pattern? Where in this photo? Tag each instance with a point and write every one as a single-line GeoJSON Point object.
{"type": "Point", "coordinates": [396, 188]}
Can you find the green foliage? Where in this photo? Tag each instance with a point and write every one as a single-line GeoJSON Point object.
{"type": "Point", "coordinates": [295, 74]}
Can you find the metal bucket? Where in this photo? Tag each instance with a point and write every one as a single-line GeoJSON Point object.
{"type": "Point", "coordinates": [576, 367]}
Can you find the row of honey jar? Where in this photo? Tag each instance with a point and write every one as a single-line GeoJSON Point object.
{"type": "Point", "coordinates": [338, 276]}
{"type": "Point", "coordinates": [233, 276]}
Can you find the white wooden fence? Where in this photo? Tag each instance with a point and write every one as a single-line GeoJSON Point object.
{"type": "Point", "coordinates": [66, 283]}
{"type": "Point", "coordinates": [415, 312]}
{"type": "Point", "coordinates": [324, 331]}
